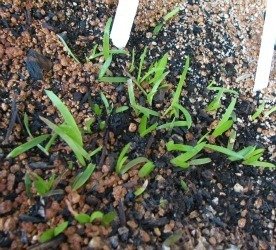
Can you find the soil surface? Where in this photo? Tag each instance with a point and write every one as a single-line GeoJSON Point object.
{"type": "Point", "coordinates": [225, 206]}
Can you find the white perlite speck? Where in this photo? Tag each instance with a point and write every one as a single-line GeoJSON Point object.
{"type": "Point", "coordinates": [238, 188]}
{"type": "Point", "coordinates": [125, 14]}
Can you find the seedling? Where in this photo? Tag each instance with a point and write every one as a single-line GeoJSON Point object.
{"type": "Point", "coordinates": [53, 232]}
{"type": "Point", "coordinates": [249, 155]}
{"type": "Point", "coordinates": [136, 107]}
{"type": "Point", "coordinates": [146, 169]}
{"type": "Point", "coordinates": [105, 219]}
{"type": "Point", "coordinates": [69, 130]}
{"type": "Point", "coordinates": [165, 19]}
{"type": "Point", "coordinates": [216, 103]}
{"type": "Point", "coordinates": [83, 177]}
{"type": "Point", "coordinates": [258, 112]}
{"type": "Point", "coordinates": [122, 167]}
{"type": "Point", "coordinates": [43, 186]}
{"type": "Point", "coordinates": [189, 157]}
{"type": "Point", "coordinates": [175, 105]}
{"type": "Point", "coordinates": [68, 50]}
{"type": "Point", "coordinates": [184, 186]}
{"type": "Point", "coordinates": [143, 126]}
{"type": "Point", "coordinates": [226, 122]}
{"type": "Point", "coordinates": [27, 146]}
{"type": "Point", "coordinates": [142, 189]}
{"type": "Point", "coordinates": [269, 112]}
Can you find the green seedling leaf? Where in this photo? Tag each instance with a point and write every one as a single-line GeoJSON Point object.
{"type": "Point", "coordinates": [173, 124]}
{"type": "Point", "coordinates": [172, 240]}
{"type": "Point", "coordinates": [142, 60]}
{"type": "Point", "coordinates": [113, 79]}
{"type": "Point", "coordinates": [121, 109]}
{"type": "Point", "coordinates": [97, 109]}
{"type": "Point", "coordinates": [226, 151]}
{"type": "Point", "coordinates": [88, 125]}
{"type": "Point", "coordinates": [93, 53]}
{"type": "Point", "coordinates": [82, 218]}
{"type": "Point", "coordinates": [105, 67]}
{"type": "Point", "coordinates": [108, 218]}
{"type": "Point", "coordinates": [228, 113]}
{"type": "Point", "coordinates": [269, 112]}
{"type": "Point", "coordinates": [53, 232]}
{"type": "Point", "coordinates": [222, 128]}
{"type": "Point", "coordinates": [232, 140]}
{"type": "Point", "coordinates": [28, 145]}
{"type": "Point", "coordinates": [261, 164]}
{"type": "Point", "coordinates": [258, 112]}
{"type": "Point", "coordinates": [122, 157]}
{"type": "Point", "coordinates": [97, 215]}
{"type": "Point", "coordinates": [185, 112]}
{"type": "Point", "coordinates": [83, 177]}
{"type": "Point", "coordinates": [106, 38]}
{"type": "Point", "coordinates": [157, 29]}
{"type": "Point", "coordinates": [68, 50]}
{"type": "Point", "coordinates": [60, 228]}
{"type": "Point", "coordinates": [181, 160]}
{"type": "Point", "coordinates": [143, 130]}
{"type": "Point", "coordinates": [132, 65]}
{"type": "Point", "coordinates": [106, 103]}
{"type": "Point", "coordinates": [142, 189]}
{"type": "Point", "coordinates": [201, 161]}
{"type": "Point", "coordinates": [216, 103]}
{"type": "Point", "coordinates": [184, 186]}
{"type": "Point", "coordinates": [146, 169]}
{"type": "Point", "coordinates": [145, 111]}
{"type": "Point", "coordinates": [28, 184]}
{"type": "Point", "coordinates": [47, 235]}
{"type": "Point", "coordinates": [171, 146]}
{"type": "Point", "coordinates": [224, 90]}
{"type": "Point", "coordinates": [171, 14]}
{"type": "Point", "coordinates": [42, 186]}
{"type": "Point", "coordinates": [94, 152]}
{"type": "Point", "coordinates": [67, 116]}
{"type": "Point", "coordinates": [132, 164]}
{"type": "Point", "coordinates": [77, 148]}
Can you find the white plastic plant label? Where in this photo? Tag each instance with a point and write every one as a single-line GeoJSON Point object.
{"type": "Point", "coordinates": [123, 22]}
{"type": "Point", "coordinates": [267, 47]}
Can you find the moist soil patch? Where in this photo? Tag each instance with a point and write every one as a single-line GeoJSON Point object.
{"type": "Point", "coordinates": [226, 205]}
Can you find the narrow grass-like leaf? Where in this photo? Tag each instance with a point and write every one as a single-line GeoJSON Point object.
{"type": "Point", "coordinates": [113, 79]}
{"type": "Point", "coordinates": [27, 145]}
{"type": "Point", "coordinates": [149, 130]}
{"type": "Point", "coordinates": [96, 151]}
{"type": "Point", "coordinates": [216, 103]}
{"type": "Point", "coordinates": [121, 109]}
{"type": "Point", "coordinates": [269, 112]}
{"type": "Point", "coordinates": [186, 114]}
{"type": "Point", "coordinates": [142, 189]}
{"type": "Point", "coordinates": [132, 164]}
{"type": "Point", "coordinates": [157, 28]}
{"type": "Point", "coordinates": [28, 184]}
{"type": "Point", "coordinates": [171, 146]}
{"type": "Point", "coordinates": [146, 169]}
{"type": "Point", "coordinates": [201, 161]}
{"type": "Point", "coordinates": [68, 50]}
{"type": "Point", "coordinates": [179, 160]}
{"type": "Point", "coordinates": [219, 130]}
{"type": "Point", "coordinates": [106, 103]}
{"type": "Point", "coordinates": [145, 111]}
{"type": "Point", "coordinates": [261, 164]}
{"type": "Point", "coordinates": [173, 124]}
{"type": "Point", "coordinates": [142, 60]}
{"type": "Point", "coordinates": [122, 157]}
{"type": "Point", "coordinates": [67, 116]}
{"type": "Point", "coordinates": [258, 112]}
{"type": "Point", "coordinates": [93, 53]}
{"type": "Point", "coordinates": [225, 151]}
{"type": "Point", "coordinates": [77, 148]}
{"type": "Point", "coordinates": [171, 14]}
{"type": "Point", "coordinates": [106, 39]}
{"type": "Point", "coordinates": [232, 140]}
{"type": "Point", "coordinates": [82, 218]}
{"type": "Point", "coordinates": [96, 215]}
{"type": "Point", "coordinates": [228, 112]}
{"type": "Point", "coordinates": [83, 177]}
{"type": "Point", "coordinates": [105, 66]}
{"type": "Point", "coordinates": [132, 65]}
{"type": "Point", "coordinates": [184, 186]}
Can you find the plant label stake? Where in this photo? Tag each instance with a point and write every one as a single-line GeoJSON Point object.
{"type": "Point", "coordinates": [125, 14]}
{"type": "Point", "coordinates": [267, 47]}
